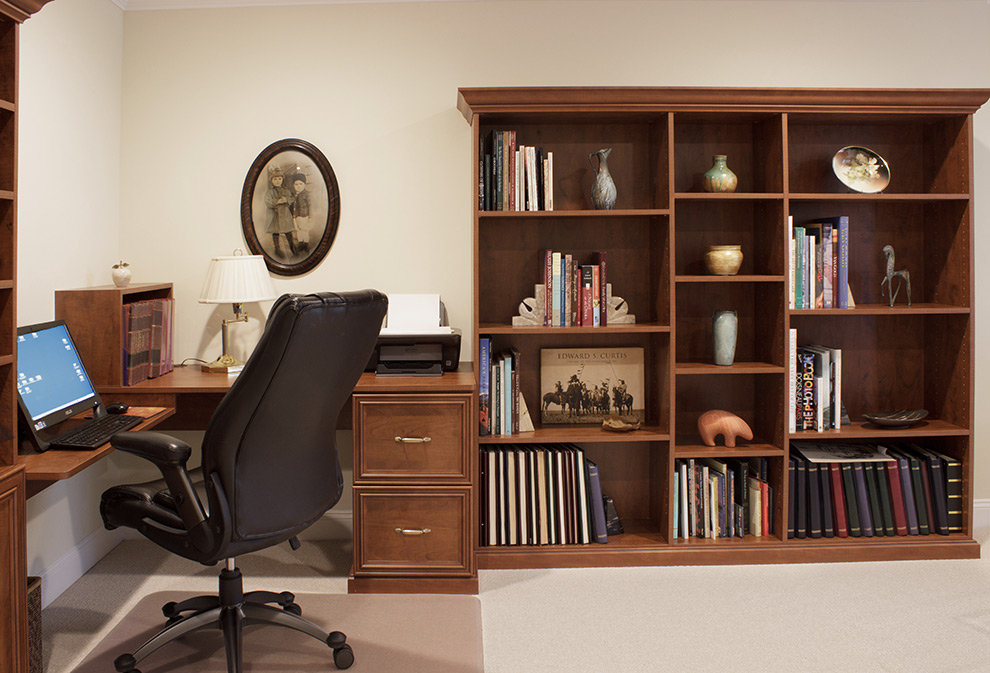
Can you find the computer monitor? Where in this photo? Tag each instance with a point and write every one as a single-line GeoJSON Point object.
{"type": "Point", "coordinates": [52, 382]}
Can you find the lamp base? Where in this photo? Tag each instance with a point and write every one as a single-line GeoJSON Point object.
{"type": "Point", "coordinates": [225, 364]}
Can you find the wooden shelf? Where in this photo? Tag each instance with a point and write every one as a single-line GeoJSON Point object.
{"type": "Point", "coordinates": [542, 214]}
{"type": "Point", "coordinates": [883, 309]}
{"type": "Point", "coordinates": [736, 367]}
{"type": "Point", "coordinates": [578, 433]}
{"type": "Point", "coordinates": [865, 430]}
{"type": "Point", "coordinates": [746, 278]}
{"type": "Point", "coordinates": [690, 449]}
{"type": "Point", "coordinates": [635, 328]}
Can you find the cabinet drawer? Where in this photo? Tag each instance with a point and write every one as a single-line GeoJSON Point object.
{"type": "Point", "coordinates": [412, 438]}
{"type": "Point", "coordinates": [412, 532]}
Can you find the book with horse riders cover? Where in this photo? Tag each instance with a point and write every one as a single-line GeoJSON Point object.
{"type": "Point", "coordinates": [589, 385]}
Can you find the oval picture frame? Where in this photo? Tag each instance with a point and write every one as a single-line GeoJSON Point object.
{"type": "Point", "coordinates": [292, 223]}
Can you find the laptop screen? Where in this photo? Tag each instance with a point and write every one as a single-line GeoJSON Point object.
{"type": "Point", "coordinates": [52, 382]}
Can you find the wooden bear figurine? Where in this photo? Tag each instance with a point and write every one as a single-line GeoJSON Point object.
{"type": "Point", "coordinates": [725, 423]}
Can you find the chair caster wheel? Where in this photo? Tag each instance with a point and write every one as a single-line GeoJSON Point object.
{"type": "Point", "coordinates": [336, 639]}
{"type": "Point", "coordinates": [125, 663]}
{"type": "Point", "coordinates": [294, 609]}
{"type": "Point", "coordinates": [343, 657]}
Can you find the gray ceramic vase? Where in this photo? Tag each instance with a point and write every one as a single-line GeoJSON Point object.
{"type": "Point", "coordinates": [725, 325]}
{"type": "Point", "coordinates": [603, 191]}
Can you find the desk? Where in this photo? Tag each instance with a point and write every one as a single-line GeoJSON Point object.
{"type": "Point", "coordinates": [392, 481]}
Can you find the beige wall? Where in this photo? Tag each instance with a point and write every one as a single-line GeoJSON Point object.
{"type": "Point", "coordinates": [202, 92]}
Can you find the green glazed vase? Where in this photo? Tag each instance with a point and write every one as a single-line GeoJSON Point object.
{"type": "Point", "coordinates": [719, 178]}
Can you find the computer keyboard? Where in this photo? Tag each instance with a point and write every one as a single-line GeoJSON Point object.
{"type": "Point", "coordinates": [94, 433]}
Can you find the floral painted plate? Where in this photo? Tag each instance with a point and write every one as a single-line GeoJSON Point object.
{"type": "Point", "coordinates": [902, 418]}
{"type": "Point", "coordinates": [861, 169]}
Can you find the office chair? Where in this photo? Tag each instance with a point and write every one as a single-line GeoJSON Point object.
{"type": "Point", "coordinates": [269, 468]}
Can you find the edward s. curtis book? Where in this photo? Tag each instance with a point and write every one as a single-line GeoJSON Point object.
{"type": "Point", "coordinates": [589, 385]}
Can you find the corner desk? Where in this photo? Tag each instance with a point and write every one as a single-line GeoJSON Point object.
{"type": "Point", "coordinates": [414, 466]}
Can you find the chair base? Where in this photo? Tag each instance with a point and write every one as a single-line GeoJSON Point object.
{"type": "Point", "coordinates": [231, 611]}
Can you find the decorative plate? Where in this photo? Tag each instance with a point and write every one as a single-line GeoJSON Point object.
{"type": "Point", "coordinates": [902, 418]}
{"type": "Point", "coordinates": [861, 169]}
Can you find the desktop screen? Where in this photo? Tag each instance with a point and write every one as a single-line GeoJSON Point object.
{"type": "Point", "coordinates": [50, 374]}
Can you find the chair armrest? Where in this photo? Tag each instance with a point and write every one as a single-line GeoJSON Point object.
{"type": "Point", "coordinates": [170, 456]}
{"type": "Point", "coordinates": [159, 448]}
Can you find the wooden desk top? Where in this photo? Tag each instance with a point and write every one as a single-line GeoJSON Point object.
{"type": "Point", "coordinates": [190, 379]}
{"type": "Point", "coordinates": [44, 469]}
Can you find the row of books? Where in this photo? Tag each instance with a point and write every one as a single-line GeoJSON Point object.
{"type": "Point", "coordinates": [819, 264]}
{"type": "Point", "coordinates": [501, 407]}
{"type": "Point", "coordinates": [576, 294]}
{"type": "Point", "coordinates": [514, 177]}
{"type": "Point", "coordinates": [540, 495]}
{"type": "Point", "coordinates": [716, 498]}
{"type": "Point", "coordinates": [147, 328]}
{"type": "Point", "coordinates": [873, 491]}
{"type": "Point", "coordinates": [815, 386]}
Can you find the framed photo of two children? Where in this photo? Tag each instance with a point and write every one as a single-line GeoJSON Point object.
{"type": "Point", "coordinates": [290, 206]}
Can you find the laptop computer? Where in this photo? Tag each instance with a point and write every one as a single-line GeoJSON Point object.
{"type": "Point", "coordinates": [53, 386]}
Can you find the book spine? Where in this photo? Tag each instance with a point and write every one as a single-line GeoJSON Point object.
{"type": "Point", "coordinates": [879, 473]}
{"type": "Point", "coordinates": [838, 501]}
{"type": "Point", "coordinates": [555, 294]}
{"type": "Point", "coordinates": [842, 277]}
{"type": "Point", "coordinates": [827, 299]}
{"type": "Point", "coordinates": [896, 497]}
{"type": "Point", "coordinates": [799, 272]}
{"type": "Point", "coordinates": [792, 385]}
{"type": "Point", "coordinates": [908, 491]}
{"type": "Point", "coordinates": [514, 391]}
{"type": "Point", "coordinates": [806, 362]}
{"type": "Point", "coordinates": [849, 490]}
{"type": "Point", "coordinates": [484, 386]}
{"type": "Point", "coordinates": [597, 504]}
{"type": "Point", "coordinates": [814, 502]}
{"type": "Point", "coordinates": [792, 500]}
{"type": "Point", "coordinates": [873, 495]}
{"type": "Point", "coordinates": [801, 509]}
{"type": "Point", "coordinates": [587, 286]}
{"type": "Point", "coordinates": [601, 260]}
{"type": "Point", "coordinates": [862, 501]}
{"type": "Point", "coordinates": [596, 315]}
{"type": "Point", "coordinates": [547, 288]}
{"type": "Point", "coordinates": [828, 520]}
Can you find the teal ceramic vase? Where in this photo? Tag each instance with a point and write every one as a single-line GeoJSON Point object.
{"type": "Point", "coordinates": [719, 178]}
{"type": "Point", "coordinates": [603, 191]}
{"type": "Point", "coordinates": [725, 324]}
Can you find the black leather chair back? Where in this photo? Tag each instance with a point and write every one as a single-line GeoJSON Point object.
{"type": "Point", "coordinates": [271, 442]}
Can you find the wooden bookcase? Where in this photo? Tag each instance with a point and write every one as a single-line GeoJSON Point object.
{"type": "Point", "coordinates": [94, 316]}
{"type": "Point", "coordinates": [779, 143]}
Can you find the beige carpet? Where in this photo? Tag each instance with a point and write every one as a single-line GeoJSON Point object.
{"type": "Point", "coordinates": [440, 634]}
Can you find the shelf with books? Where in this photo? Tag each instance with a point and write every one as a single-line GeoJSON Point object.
{"type": "Point", "coordinates": [915, 309]}
{"type": "Point", "coordinates": [632, 164]}
{"type": "Point", "coordinates": [522, 331]}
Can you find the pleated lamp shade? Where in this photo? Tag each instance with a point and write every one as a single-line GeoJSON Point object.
{"type": "Point", "coordinates": [237, 279]}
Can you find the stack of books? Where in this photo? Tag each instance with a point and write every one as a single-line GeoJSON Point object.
{"type": "Point", "coordinates": [540, 495]}
{"type": "Point", "coordinates": [147, 328]}
{"type": "Point", "coordinates": [514, 177]}
{"type": "Point", "coordinates": [815, 386]}
{"type": "Point", "coordinates": [576, 294]}
{"type": "Point", "coordinates": [721, 498]}
{"type": "Point", "coordinates": [819, 264]}
{"type": "Point", "coordinates": [872, 490]}
{"type": "Point", "coordinates": [502, 408]}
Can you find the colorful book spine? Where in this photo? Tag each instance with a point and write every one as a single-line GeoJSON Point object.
{"type": "Point", "coordinates": [484, 385]}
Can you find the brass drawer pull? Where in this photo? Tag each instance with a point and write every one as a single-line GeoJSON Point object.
{"type": "Point", "coordinates": [412, 440]}
{"type": "Point", "coordinates": [413, 531]}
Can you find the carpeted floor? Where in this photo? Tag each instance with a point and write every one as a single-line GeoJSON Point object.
{"type": "Point", "coordinates": [899, 616]}
{"type": "Point", "coordinates": [441, 634]}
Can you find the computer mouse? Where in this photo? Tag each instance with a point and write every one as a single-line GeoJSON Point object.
{"type": "Point", "coordinates": [117, 408]}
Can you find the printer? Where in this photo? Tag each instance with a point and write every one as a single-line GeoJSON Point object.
{"type": "Point", "coordinates": [416, 339]}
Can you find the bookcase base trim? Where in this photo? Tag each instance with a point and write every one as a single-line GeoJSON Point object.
{"type": "Point", "coordinates": [813, 551]}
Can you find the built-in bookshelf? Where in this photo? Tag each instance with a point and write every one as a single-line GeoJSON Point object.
{"type": "Point", "coordinates": [780, 144]}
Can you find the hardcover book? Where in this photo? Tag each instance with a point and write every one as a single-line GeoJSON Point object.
{"type": "Point", "coordinates": [589, 385]}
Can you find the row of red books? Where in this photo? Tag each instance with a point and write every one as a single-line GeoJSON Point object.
{"type": "Point", "coordinates": [147, 328]}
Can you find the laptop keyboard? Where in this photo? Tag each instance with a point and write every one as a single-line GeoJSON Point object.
{"type": "Point", "coordinates": [94, 433]}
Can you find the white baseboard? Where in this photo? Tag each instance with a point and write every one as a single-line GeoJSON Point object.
{"type": "Point", "coordinates": [60, 575]}
{"type": "Point", "coordinates": [981, 515]}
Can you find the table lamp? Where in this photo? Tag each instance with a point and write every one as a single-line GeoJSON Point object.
{"type": "Point", "coordinates": [236, 280]}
